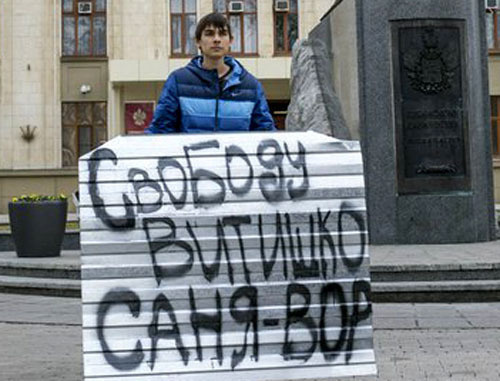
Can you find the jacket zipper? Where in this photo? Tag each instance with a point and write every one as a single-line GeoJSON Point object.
{"type": "Point", "coordinates": [217, 108]}
{"type": "Point", "coordinates": [217, 112]}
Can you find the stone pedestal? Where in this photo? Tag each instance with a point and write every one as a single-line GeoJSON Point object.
{"type": "Point", "coordinates": [411, 77]}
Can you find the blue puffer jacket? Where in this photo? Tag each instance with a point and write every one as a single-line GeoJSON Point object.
{"type": "Point", "coordinates": [192, 101]}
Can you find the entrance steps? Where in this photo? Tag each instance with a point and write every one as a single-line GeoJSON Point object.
{"type": "Point", "coordinates": [407, 273]}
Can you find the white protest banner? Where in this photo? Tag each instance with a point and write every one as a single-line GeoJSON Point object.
{"type": "Point", "coordinates": [237, 256]}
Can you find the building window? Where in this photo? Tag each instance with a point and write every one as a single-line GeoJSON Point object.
{"type": "Point", "coordinates": [493, 28]}
{"type": "Point", "coordinates": [83, 129]}
{"type": "Point", "coordinates": [286, 26]}
{"type": "Point", "coordinates": [242, 16]}
{"type": "Point", "coordinates": [183, 27]}
{"type": "Point", "coordinates": [495, 124]}
{"type": "Point", "coordinates": [84, 28]}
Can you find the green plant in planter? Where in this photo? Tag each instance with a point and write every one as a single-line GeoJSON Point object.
{"type": "Point", "coordinates": [38, 197]}
{"type": "Point", "coordinates": [37, 223]}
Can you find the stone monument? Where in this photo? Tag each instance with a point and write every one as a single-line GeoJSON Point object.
{"type": "Point", "coordinates": [411, 78]}
{"type": "Point", "coordinates": [313, 106]}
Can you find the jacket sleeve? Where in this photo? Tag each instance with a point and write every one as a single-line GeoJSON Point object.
{"type": "Point", "coordinates": [166, 118]}
{"type": "Point", "coordinates": [261, 116]}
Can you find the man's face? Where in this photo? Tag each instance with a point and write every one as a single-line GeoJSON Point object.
{"type": "Point", "coordinates": [214, 42]}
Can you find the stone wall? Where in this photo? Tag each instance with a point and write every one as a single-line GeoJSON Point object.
{"type": "Point", "coordinates": [29, 45]}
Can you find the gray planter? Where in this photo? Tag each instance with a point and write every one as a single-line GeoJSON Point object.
{"type": "Point", "coordinates": [38, 227]}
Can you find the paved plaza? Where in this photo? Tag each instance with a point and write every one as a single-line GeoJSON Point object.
{"type": "Point", "coordinates": [41, 340]}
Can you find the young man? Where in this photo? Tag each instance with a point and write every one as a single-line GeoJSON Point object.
{"type": "Point", "coordinates": [213, 93]}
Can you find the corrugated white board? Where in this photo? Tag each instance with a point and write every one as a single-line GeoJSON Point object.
{"type": "Point", "coordinates": [220, 256]}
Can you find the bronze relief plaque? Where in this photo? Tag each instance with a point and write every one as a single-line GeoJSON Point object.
{"type": "Point", "coordinates": [430, 99]}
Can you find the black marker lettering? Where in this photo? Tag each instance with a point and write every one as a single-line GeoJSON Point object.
{"type": "Point", "coordinates": [212, 271]}
{"type": "Point", "coordinates": [236, 222]}
{"type": "Point", "coordinates": [200, 174]}
{"type": "Point", "coordinates": [279, 241]}
{"type": "Point", "coordinates": [231, 152]}
{"type": "Point", "coordinates": [298, 315]}
{"type": "Point", "coordinates": [126, 222]}
{"type": "Point", "coordinates": [165, 242]}
{"type": "Point", "coordinates": [146, 182]}
{"type": "Point", "coordinates": [222, 245]}
{"type": "Point", "coordinates": [208, 322]}
{"type": "Point", "coordinates": [248, 316]}
{"type": "Point", "coordinates": [299, 163]}
{"type": "Point", "coordinates": [324, 235]}
{"type": "Point", "coordinates": [164, 162]}
{"type": "Point", "coordinates": [272, 185]}
{"type": "Point", "coordinates": [335, 291]}
{"type": "Point", "coordinates": [300, 268]}
{"type": "Point", "coordinates": [346, 209]}
{"type": "Point", "coordinates": [360, 290]}
{"type": "Point", "coordinates": [131, 299]}
{"type": "Point", "coordinates": [162, 303]}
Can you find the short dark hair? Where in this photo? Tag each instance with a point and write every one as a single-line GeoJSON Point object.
{"type": "Point", "coordinates": [217, 20]}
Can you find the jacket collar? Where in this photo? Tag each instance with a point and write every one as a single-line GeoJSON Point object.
{"type": "Point", "coordinates": [234, 78]}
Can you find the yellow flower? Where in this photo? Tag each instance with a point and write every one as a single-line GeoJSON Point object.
{"type": "Point", "coordinates": [14, 199]}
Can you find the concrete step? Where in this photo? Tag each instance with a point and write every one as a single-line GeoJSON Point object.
{"type": "Point", "coordinates": [40, 286]}
{"type": "Point", "coordinates": [382, 292]}
{"type": "Point", "coordinates": [435, 272]}
{"type": "Point", "coordinates": [37, 270]}
{"type": "Point", "coordinates": [453, 282]}
{"type": "Point", "coordinates": [65, 266]}
{"type": "Point", "coordinates": [465, 291]}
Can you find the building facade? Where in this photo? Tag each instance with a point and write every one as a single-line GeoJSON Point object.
{"type": "Point", "coordinates": [75, 73]}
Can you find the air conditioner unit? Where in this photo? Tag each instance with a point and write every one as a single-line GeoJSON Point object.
{"type": "Point", "coordinates": [492, 4]}
{"type": "Point", "coordinates": [85, 8]}
{"type": "Point", "coordinates": [281, 6]}
{"type": "Point", "coordinates": [236, 7]}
